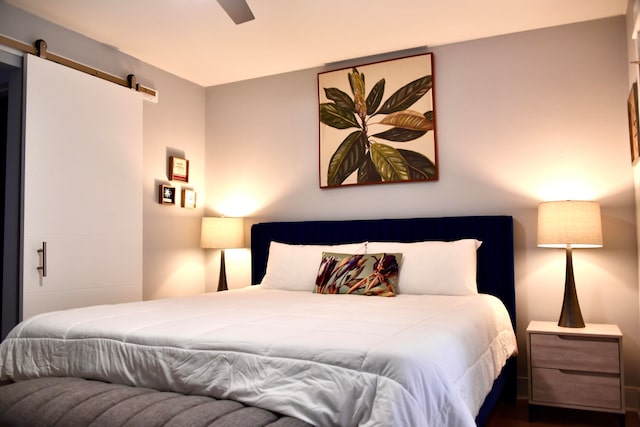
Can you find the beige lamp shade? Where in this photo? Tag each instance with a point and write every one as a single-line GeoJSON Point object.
{"type": "Point", "coordinates": [222, 233]}
{"type": "Point", "coordinates": [569, 223]}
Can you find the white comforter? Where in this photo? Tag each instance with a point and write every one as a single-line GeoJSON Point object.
{"type": "Point", "coordinates": [331, 360]}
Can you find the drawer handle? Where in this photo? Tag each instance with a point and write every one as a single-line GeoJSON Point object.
{"type": "Point", "coordinates": [587, 339]}
{"type": "Point", "coordinates": [590, 373]}
{"type": "Point", "coordinates": [574, 338]}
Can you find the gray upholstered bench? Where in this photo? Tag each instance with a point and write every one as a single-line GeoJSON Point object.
{"type": "Point", "coordinates": [74, 402]}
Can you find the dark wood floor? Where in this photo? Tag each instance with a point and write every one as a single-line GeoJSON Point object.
{"type": "Point", "coordinates": [516, 415]}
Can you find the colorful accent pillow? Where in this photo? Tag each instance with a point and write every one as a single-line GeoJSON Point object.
{"type": "Point", "coordinates": [292, 267]}
{"type": "Point", "coordinates": [361, 274]}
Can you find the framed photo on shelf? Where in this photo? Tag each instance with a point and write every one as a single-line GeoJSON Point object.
{"type": "Point", "coordinates": [178, 169]}
{"type": "Point", "coordinates": [167, 195]}
{"type": "Point", "coordinates": [188, 198]}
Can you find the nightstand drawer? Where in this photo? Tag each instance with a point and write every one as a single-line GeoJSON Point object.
{"type": "Point", "coordinates": [576, 388]}
{"type": "Point", "coordinates": [575, 353]}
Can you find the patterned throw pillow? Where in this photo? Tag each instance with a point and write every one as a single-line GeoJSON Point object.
{"type": "Point", "coordinates": [370, 274]}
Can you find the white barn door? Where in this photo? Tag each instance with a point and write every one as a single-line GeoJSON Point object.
{"type": "Point", "coordinates": [83, 190]}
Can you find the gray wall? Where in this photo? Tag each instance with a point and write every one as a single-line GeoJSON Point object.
{"type": "Point", "coordinates": [522, 118]}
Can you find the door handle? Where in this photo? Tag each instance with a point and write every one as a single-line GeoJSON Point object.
{"type": "Point", "coordinates": [43, 266]}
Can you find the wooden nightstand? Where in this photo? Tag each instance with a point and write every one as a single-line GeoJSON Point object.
{"type": "Point", "coordinates": [578, 368]}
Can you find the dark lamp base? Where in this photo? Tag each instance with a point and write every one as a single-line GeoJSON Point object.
{"type": "Point", "coordinates": [222, 279]}
{"type": "Point", "coordinates": [570, 317]}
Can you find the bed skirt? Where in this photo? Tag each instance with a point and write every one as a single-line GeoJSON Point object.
{"type": "Point", "coordinates": [78, 402]}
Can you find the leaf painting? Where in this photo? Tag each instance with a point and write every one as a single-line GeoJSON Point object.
{"type": "Point", "coordinates": [381, 132]}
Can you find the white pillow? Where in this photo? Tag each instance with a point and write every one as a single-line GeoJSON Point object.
{"type": "Point", "coordinates": [295, 267]}
{"type": "Point", "coordinates": [433, 267]}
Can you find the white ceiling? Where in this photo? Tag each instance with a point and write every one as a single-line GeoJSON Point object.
{"type": "Point", "coordinates": [196, 40]}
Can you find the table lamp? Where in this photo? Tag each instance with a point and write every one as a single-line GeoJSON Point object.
{"type": "Point", "coordinates": [569, 224]}
{"type": "Point", "coordinates": [222, 233]}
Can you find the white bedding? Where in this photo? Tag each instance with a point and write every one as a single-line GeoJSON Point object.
{"type": "Point", "coordinates": [341, 360]}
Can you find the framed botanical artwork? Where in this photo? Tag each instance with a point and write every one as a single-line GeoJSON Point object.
{"type": "Point", "coordinates": [167, 195]}
{"type": "Point", "coordinates": [178, 169]}
{"type": "Point", "coordinates": [378, 129]}
{"type": "Point", "coordinates": [632, 112]}
{"type": "Point", "coordinates": [188, 198]}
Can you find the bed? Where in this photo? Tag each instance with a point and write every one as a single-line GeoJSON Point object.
{"type": "Point", "coordinates": [322, 359]}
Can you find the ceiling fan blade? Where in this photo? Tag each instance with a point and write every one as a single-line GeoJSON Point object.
{"type": "Point", "coordinates": [238, 10]}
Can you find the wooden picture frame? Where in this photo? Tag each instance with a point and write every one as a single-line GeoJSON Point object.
{"type": "Point", "coordinates": [381, 129]}
{"type": "Point", "coordinates": [188, 198]}
{"type": "Point", "coordinates": [632, 113]}
{"type": "Point", "coordinates": [178, 169]}
{"type": "Point", "coordinates": [167, 195]}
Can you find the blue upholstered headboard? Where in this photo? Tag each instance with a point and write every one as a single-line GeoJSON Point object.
{"type": "Point", "coordinates": [495, 256]}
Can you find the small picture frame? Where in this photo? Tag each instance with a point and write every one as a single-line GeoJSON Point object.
{"type": "Point", "coordinates": [178, 169]}
{"type": "Point", "coordinates": [188, 198]}
{"type": "Point", "coordinates": [167, 195]}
